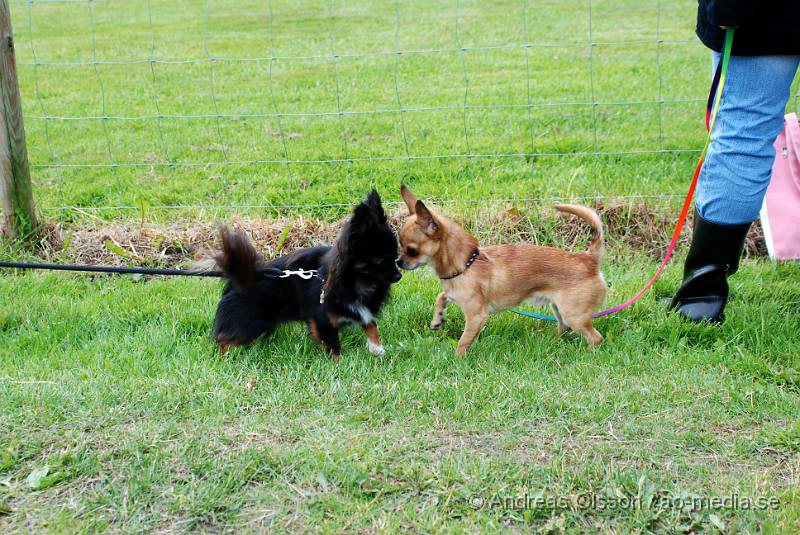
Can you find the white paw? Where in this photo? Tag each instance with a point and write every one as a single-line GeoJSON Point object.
{"type": "Point", "coordinates": [375, 349]}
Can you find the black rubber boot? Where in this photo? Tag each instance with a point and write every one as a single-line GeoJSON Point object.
{"type": "Point", "coordinates": [713, 256]}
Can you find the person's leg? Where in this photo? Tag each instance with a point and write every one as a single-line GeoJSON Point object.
{"type": "Point", "coordinates": [738, 165]}
{"type": "Point", "coordinates": [734, 179]}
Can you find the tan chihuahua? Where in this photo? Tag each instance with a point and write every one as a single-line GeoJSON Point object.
{"type": "Point", "coordinates": [498, 277]}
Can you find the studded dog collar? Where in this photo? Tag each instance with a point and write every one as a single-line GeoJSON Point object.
{"type": "Point", "coordinates": [470, 261]}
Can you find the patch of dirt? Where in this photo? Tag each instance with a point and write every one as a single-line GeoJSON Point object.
{"type": "Point", "coordinates": [233, 436]}
{"type": "Point", "coordinates": [177, 243]}
{"type": "Point", "coordinates": [522, 448]}
{"type": "Point", "coordinates": [645, 227]}
{"type": "Point", "coordinates": [638, 226]}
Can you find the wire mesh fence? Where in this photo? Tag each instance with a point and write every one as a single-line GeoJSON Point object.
{"type": "Point", "coordinates": [252, 104]}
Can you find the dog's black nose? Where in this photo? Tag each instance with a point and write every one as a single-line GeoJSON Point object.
{"type": "Point", "coordinates": [400, 262]}
{"type": "Point", "coordinates": [396, 276]}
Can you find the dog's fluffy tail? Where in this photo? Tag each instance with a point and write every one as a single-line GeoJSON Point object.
{"type": "Point", "coordinates": [597, 247]}
{"type": "Point", "coordinates": [238, 259]}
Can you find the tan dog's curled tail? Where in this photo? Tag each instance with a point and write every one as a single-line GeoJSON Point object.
{"type": "Point", "coordinates": [597, 247]}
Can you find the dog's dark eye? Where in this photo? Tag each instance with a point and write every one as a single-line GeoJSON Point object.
{"type": "Point", "coordinates": [411, 251]}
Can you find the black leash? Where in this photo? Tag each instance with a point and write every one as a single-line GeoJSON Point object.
{"type": "Point", "coordinates": [267, 272]}
{"type": "Point", "coordinates": [112, 269]}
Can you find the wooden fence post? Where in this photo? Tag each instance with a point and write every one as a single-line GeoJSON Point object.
{"type": "Point", "coordinates": [19, 215]}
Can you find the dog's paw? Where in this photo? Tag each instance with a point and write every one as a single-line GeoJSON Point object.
{"type": "Point", "coordinates": [375, 349]}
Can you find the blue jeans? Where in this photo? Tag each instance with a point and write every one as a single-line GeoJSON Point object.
{"type": "Point", "coordinates": [738, 165]}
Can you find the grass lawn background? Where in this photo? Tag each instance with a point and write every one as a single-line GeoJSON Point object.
{"type": "Point", "coordinates": [116, 413]}
{"type": "Point", "coordinates": [640, 87]}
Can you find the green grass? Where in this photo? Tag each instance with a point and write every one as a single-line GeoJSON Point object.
{"type": "Point", "coordinates": [559, 82]}
{"type": "Point", "coordinates": [117, 415]}
{"type": "Point", "coordinates": [116, 388]}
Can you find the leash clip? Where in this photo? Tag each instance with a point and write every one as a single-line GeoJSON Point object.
{"type": "Point", "coordinates": [302, 273]}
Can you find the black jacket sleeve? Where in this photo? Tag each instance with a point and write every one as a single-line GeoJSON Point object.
{"type": "Point", "coordinates": [763, 27]}
{"type": "Point", "coordinates": [731, 12]}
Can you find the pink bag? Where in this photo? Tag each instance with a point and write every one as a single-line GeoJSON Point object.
{"type": "Point", "coordinates": [780, 214]}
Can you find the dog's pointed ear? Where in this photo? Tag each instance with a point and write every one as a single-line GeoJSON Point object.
{"type": "Point", "coordinates": [425, 219]}
{"type": "Point", "coordinates": [362, 216]}
{"type": "Point", "coordinates": [353, 235]}
{"type": "Point", "coordinates": [411, 200]}
{"type": "Point", "coordinates": [374, 202]}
